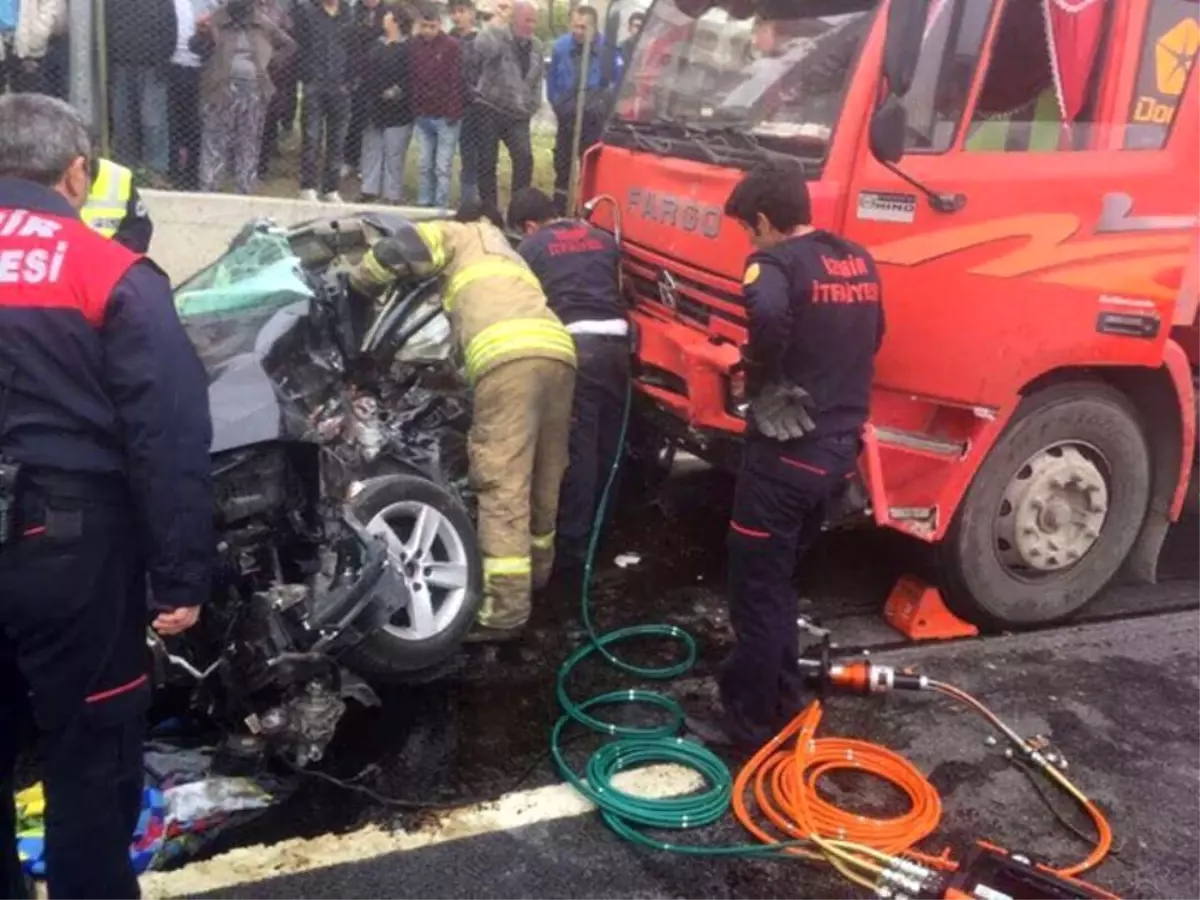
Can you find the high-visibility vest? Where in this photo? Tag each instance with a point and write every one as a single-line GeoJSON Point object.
{"type": "Point", "coordinates": [991, 136]}
{"type": "Point", "coordinates": [108, 199]}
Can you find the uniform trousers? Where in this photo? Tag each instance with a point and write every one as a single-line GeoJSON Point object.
{"type": "Point", "coordinates": [73, 653]}
{"type": "Point", "coordinates": [517, 447]}
{"type": "Point", "coordinates": [778, 508]}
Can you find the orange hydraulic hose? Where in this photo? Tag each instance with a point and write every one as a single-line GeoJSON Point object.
{"type": "Point", "coordinates": [785, 791]}
{"type": "Point", "coordinates": [1104, 834]}
{"type": "Point", "coordinates": [785, 772]}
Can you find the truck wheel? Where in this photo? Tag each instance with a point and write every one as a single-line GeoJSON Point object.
{"type": "Point", "coordinates": [1052, 512]}
{"type": "Point", "coordinates": [433, 546]}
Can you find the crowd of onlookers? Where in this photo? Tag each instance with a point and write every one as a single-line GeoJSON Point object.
{"type": "Point", "coordinates": [33, 46]}
{"type": "Point", "coordinates": [202, 91]}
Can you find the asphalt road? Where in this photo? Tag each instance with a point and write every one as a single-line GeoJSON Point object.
{"type": "Point", "coordinates": [1117, 698]}
{"type": "Point", "coordinates": [1117, 695]}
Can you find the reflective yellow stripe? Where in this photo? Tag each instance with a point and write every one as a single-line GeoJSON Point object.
{"type": "Point", "coordinates": [543, 541]}
{"type": "Point", "coordinates": [499, 566]}
{"type": "Point", "coordinates": [489, 268]}
{"type": "Point", "coordinates": [530, 337]}
{"type": "Point", "coordinates": [108, 198]}
{"type": "Point", "coordinates": [431, 234]}
{"type": "Point", "coordinates": [487, 609]}
{"type": "Point", "coordinates": [375, 270]}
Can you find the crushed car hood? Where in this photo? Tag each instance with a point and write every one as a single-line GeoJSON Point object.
{"type": "Point", "coordinates": [272, 331]}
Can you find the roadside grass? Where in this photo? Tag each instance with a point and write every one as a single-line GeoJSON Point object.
{"type": "Point", "coordinates": [283, 179]}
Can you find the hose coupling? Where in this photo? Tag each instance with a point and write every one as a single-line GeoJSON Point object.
{"type": "Point", "coordinates": [908, 884]}
{"type": "Point", "coordinates": [910, 867]}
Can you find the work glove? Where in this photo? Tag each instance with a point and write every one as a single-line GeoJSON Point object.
{"type": "Point", "coordinates": [783, 412]}
{"type": "Point", "coordinates": [754, 373]}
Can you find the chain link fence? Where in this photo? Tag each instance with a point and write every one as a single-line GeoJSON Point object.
{"type": "Point", "coordinates": [406, 102]}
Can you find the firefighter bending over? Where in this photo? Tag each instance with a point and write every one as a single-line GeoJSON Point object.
{"type": "Point", "coordinates": [115, 209]}
{"type": "Point", "coordinates": [815, 325]}
{"type": "Point", "coordinates": [520, 361]}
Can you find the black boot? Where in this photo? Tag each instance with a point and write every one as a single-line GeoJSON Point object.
{"type": "Point", "coordinates": [566, 581]}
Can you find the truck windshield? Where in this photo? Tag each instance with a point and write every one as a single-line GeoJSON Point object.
{"type": "Point", "coordinates": [766, 75]}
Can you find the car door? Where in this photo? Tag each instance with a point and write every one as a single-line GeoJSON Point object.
{"type": "Point", "coordinates": [1051, 229]}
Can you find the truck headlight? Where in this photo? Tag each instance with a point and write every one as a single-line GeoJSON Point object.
{"type": "Point", "coordinates": [736, 403]}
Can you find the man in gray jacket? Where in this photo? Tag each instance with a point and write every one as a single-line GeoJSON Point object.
{"type": "Point", "coordinates": [509, 93]}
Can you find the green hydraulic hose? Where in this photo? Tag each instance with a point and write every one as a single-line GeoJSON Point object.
{"type": "Point", "coordinates": [635, 746]}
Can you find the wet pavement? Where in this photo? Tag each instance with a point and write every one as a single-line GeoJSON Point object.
{"type": "Point", "coordinates": [452, 740]}
{"type": "Point", "coordinates": [1117, 698]}
{"type": "Point", "coordinates": [482, 730]}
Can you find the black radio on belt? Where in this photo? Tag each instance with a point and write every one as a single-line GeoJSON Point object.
{"type": "Point", "coordinates": [10, 473]}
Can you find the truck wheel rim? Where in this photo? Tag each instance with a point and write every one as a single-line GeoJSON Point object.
{"type": "Point", "coordinates": [1053, 510]}
{"type": "Point", "coordinates": [431, 556]}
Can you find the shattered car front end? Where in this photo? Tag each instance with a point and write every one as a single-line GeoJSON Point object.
{"type": "Point", "coordinates": [346, 551]}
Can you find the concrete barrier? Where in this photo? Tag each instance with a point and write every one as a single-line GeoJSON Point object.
{"type": "Point", "coordinates": [191, 230]}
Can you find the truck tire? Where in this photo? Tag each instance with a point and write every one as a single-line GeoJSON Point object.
{"type": "Point", "coordinates": [1045, 525]}
{"type": "Point", "coordinates": [445, 569]}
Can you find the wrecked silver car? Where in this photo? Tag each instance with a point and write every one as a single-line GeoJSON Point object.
{"type": "Point", "coordinates": [347, 553]}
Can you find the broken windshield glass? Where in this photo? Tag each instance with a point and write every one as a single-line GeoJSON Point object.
{"type": "Point", "coordinates": [270, 326]}
{"type": "Point", "coordinates": [776, 78]}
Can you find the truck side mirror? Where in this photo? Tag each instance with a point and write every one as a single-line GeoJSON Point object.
{"type": "Point", "coordinates": [906, 21]}
{"type": "Point", "coordinates": [887, 136]}
{"type": "Point", "coordinates": [905, 24]}
{"type": "Point", "coordinates": [888, 128]}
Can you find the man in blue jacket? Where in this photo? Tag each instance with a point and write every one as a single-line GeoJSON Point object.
{"type": "Point", "coordinates": [105, 488]}
{"type": "Point", "coordinates": [562, 88]}
{"type": "Point", "coordinates": [578, 266]}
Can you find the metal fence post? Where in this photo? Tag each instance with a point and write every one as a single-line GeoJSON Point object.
{"type": "Point", "coordinates": [585, 71]}
{"type": "Point", "coordinates": [100, 70]}
{"type": "Point", "coordinates": [80, 34]}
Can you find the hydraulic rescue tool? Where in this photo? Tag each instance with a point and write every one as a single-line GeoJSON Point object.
{"type": "Point", "coordinates": [775, 796]}
{"type": "Point", "coordinates": [986, 871]}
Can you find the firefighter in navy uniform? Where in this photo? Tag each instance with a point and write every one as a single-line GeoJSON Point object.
{"type": "Point", "coordinates": [577, 265]}
{"type": "Point", "coordinates": [115, 209]}
{"type": "Point", "coordinates": [104, 480]}
{"type": "Point", "coordinates": [815, 325]}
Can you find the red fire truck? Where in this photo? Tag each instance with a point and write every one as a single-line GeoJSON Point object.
{"type": "Point", "coordinates": [1026, 174]}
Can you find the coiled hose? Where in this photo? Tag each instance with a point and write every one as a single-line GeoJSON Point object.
{"type": "Point", "coordinates": [638, 746]}
{"type": "Point", "coordinates": [634, 746]}
{"type": "Point", "coordinates": [783, 774]}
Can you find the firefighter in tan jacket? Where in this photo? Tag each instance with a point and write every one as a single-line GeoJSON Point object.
{"type": "Point", "coordinates": [520, 361]}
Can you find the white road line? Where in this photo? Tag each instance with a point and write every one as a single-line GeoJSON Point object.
{"type": "Point", "coordinates": [559, 801]}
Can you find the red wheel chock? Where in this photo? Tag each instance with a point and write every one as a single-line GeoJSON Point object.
{"type": "Point", "coordinates": [917, 611]}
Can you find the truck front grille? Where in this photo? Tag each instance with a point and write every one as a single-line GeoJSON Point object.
{"type": "Point", "coordinates": [647, 290]}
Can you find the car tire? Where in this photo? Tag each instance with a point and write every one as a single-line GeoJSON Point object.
{"type": "Point", "coordinates": [403, 651]}
{"type": "Point", "coordinates": [1057, 442]}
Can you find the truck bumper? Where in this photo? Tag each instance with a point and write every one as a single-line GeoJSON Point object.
{"type": "Point", "coordinates": [686, 372]}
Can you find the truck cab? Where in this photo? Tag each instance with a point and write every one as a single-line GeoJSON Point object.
{"type": "Point", "coordinates": [1025, 174]}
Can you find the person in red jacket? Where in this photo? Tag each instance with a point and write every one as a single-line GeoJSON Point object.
{"type": "Point", "coordinates": [435, 64]}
